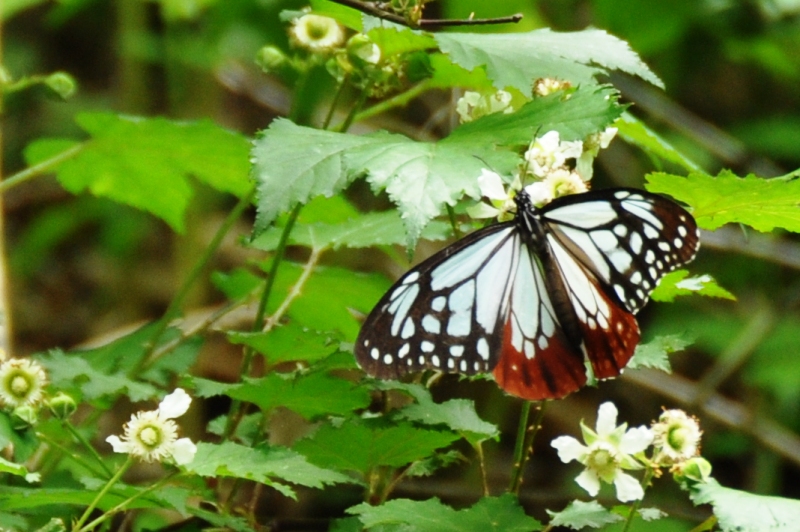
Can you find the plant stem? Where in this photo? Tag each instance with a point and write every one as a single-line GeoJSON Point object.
{"type": "Point", "coordinates": [648, 476]}
{"type": "Point", "coordinates": [40, 168]}
{"type": "Point", "coordinates": [451, 214]}
{"type": "Point", "coordinates": [123, 504]}
{"type": "Point", "coordinates": [92, 451]}
{"type": "Point", "coordinates": [77, 527]}
{"type": "Point", "coordinates": [183, 292]}
{"type": "Point", "coordinates": [351, 116]}
{"type": "Point", "coordinates": [335, 102]}
{"type": "Point", "coordinates": [398, 100]}
{"type": "Point", "coordinates": [482, 464]}
{"type": "Point", "coordinates": [524, 444]}
{"type": "Point", "coordinates": [75, 456]}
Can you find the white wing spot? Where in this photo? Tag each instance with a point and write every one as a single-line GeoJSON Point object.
{"type": "Point", "coordinates": [682, 231]}
{"type": "Point", "coordinates": [427, 346]}
{"type": "Point", "coordinates": [650, 232]}
{"type": "Point", "coordinates": [591, 323]}
{"type": "Point", "coordinates": [411, 277]}
{"type": "Point", "coordinates": [404, 350]}
{"type": "Point", "coordinates": [421, 360]}
{"type": "Point", "coordinates": [605, 240]}
{"type": "Point", "coordinates": [620, 230]}
{"type": "Point", "coordinates": [451, 363]}
{"type": "Point", "coordinates": [620, 291]}
{"type": "Point", "coordinates": [463, 365]}
{"type": "Point", "coordinates": [678, 242]}
{"type": "Point", "coordinates": [374, 353]}
{"type": "Point", "coordinates": [409, 361]}
{"type": "Point", "coordinates": [431, 324]}
{"type": "Point", "coordinates": [663, 246]}
{"type": "Point", "coordinates": [435, 360]}
{"type": "Point", "coordinates": [622, 194]}
{"type": "Point", "coordinates": [636, 278]}
{"type": "Point", "coordinates": [366, 342]}
{"type": "Point", "coordinates": [387, 359]}
{"type": "Point", "coordinates": [640, 294]}
{"type": "Point", "coordinates": [483, 348]}
{"type": "Point", "coordinates": [636, 243]}
{"type": "Point", "coordinates": [477, 366]}
{"type": "Point", "coordinates": [650, 257]}
{"type": "Point", "coordinates": [542, 343]}
{"type": "Point", "coordinates": [456, 350]}
{"type": "Point", "coordinates": [602, 321]}
{"type": "Point", "coordinates": [461, 301]}
{"type": "Point", "coordinates": [653, 272]}
{"type": "Point", "coordinates": [438, 303]}
{"type": "Point", "coordinates": [529, 350]}
{"type": "Point", "coordinates": [408, 329]}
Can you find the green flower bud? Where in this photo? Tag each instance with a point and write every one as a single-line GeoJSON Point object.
{"type": "Point", "coordinates": [61, 84]}
{"type": "Point", "coordinates": [362, 51]}
{"type": "Point", "coordinates": [62, 405]}
{"type": "Point", "coordinates": [24, 416]}
{"type": "Point", "coordinates": [696, 469]}
{"type": "Point", "coordinates": [270, 59]}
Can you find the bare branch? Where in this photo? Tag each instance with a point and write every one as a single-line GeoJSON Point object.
{"type": "Point", "coordinates": [372, 9]}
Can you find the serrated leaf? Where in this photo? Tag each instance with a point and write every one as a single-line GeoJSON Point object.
{"type": "Point", "coordinates": [490, 513]}
{"type": "Point", "coordinates": [739, 511]}
{"type": "Point", "coordinates": [294, 163]}
{"type": "Point", "coordinates": [458, 415]}
{"type": "Point", "coordinates": [763, 204]}
{"type": "Point", "coordinates": [636, 132]}
{"type": "Point", "coordinates": [394, 41]}
{"type": "Point", "coordinates": [431, 464]}
{"type": "Point", "coordinates": [393, 446]}
{"type": "Point", "coordinates": [654, 354]}
{"type": "Point", "coordinates": [678, 283]}
{"type": "Point", "coordinates": [447, 74]}
{"type": "Point", "coordinates": [579, 514]}
{"type": "Point", "coordinates": [229, 459]}
{"type": "Point", "coordinates": [518, 59]}
{"type": "Point", "coordinates": [310, 395]}
{"type": "Point", "coordinates": [366, 230]}
{"type": "Point", "coordinates": [288, 342]}
{"type": "Point", "coordinates": [347, 16]}
{"type": "Point", "coordinates": [237, 284]}
{"type": "Point", "coordinates": [145, 162]}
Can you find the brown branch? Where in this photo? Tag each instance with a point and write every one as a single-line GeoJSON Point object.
{"type": "Point", "coordinates": [375, 11]}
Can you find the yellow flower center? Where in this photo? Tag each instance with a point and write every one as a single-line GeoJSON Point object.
{"type": "Point", "coordinates": [20, 385]}
{"type": "Point", "coordinates": [150, 436]}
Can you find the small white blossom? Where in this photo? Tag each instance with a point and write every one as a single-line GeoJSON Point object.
{"type": "Point", "coordinates": [548, 153]}
{"type": "Point", "coordinates": [559, 182]}
{"type": "Point", "coordinates": [153, 436]}
{"type": "Point", "coordinates": [316, 33]}
{"type": "Point", "coordinates": [676, 437]}
{"type": "Point", "coordinates": [474, 105]}
{"type": "Point", "coordinates": [584, 165]}
{"type": "Point", "coordinates": [608, 451]}
{"type": "Point", "coordinates": [500, 195]}
{"type": "Point", "coordinates": [545, 86]}
{"type": "Point", "coordinates": [22, 382]}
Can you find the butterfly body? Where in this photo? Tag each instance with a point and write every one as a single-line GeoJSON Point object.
{"type": "Point", "coordinates": [532, 299]}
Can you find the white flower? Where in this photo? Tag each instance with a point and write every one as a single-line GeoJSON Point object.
{"type": "Point", "coordinates": [545, 86]}
{"type": "Point", "coordinates": [607, 452]}
{"type": "Point", "coordinates": [22, 382]}
{"type": "Point", "coordinates": [501, 197]}
{"type": "Point", "coordinates": [547, 153]}
{"type": "Point", "coordinates": [676, 437]}
{"type": "Point", "coordinates": [317, 33]}
{"type": "Point", "coordinates": [474, 105]}
{"type": "Point", "coordinates": [153, 436]}
{"type": "Point", "coordinates": [559, 182]}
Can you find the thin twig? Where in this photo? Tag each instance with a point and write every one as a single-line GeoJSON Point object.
{"type": "Point", "coordinates": [375, 11]}
{"type": "Point", "coordinates": [296, 290]}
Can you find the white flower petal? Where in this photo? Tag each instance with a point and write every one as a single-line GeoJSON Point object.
{"type": "Point", "coordinates": [549, 141]}
{"type": "Point", "coordinates": [491, 185]}
{"type": "Point", "coordinates": [183, 451]}
{"type": "Point", "coordinates": [482, 210]}
{"type": "Point", "coordinates": [571, 149]}
{"type": "Point", "coordinates": [118, 445]}
{"type": "Point", "coordinates": [607, 136]}
{"type": "Point", "coordinates": [606, 419]}
{"type": "Point", "coordinates": [628, 488]}
{"type": "Point", "coordinates": [588, 480]}
{"type": "Point", "coordinates": [540, 193]}
{"type": "Point", "coordinates": [175, 404]}
{"type": "Point", "coordinates": [636, 440]}
{"type": "Point", "coordinates": [584, 166]}
{"type": "Point", "coordinates": [568, 448]}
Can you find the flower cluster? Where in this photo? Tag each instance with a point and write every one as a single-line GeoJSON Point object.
{"type": "Point", "coordinates": [474, 105]}
{"type": "Point", "coordinates": [611, 449]}
{"type": "Point", "coordinates": [152, 436]}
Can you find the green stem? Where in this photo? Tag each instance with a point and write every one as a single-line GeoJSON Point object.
{"type": "Point", "coordinates": [451, 214]}
{"type": "Point", "coordinates": [648, 476]}
{"type": "Point", "coordinates": [92, 451]}
{"type": "Point", "coordinates": [75, 456]}
{"type": "Point", "coordinates": [351, 117]}
{"type": "Point", "coordinates": [482, 464]}
{"type": "Point", "coordinates": [177, 302]}
{"type": "Point", "coordinates": [123, 504]}
{"type": "Point", "coordinates": [40, 168]}
{"type": "Point", "coordinates": [77, 527]}
{"type": "Point", "coordinates": [524, 444]}
{"type": "Point", "coordinates": [258, 322]}
{"type": "Point", "coordinates": [398, 100]}
{"type": "Point", "coordinates": [335, 102]}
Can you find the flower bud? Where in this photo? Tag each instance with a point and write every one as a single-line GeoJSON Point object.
{"type": "Point", "coordinates": [363, 51]}
{"type": "Point", "coordinates": [24, 416]}
{"type": "Point", "coordinates": [62, 405]}
{"type": "Point", "coordinates": [696, 469]}
{"type": "Point", "coordinates": [270, 58]}
{"type": "Point", "coordinates": [62, 84]}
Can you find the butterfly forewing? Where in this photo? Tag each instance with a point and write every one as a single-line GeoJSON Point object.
{"type": "Point", "coordinates": [531, 300]}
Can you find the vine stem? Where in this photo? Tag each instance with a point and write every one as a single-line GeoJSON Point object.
{"type": "Point", "coordinates": [648, 476]}
{"type": "Point", "coordinates": [398, 100]}
{"type": "Point", "coordinates": [92, 451]}
{"type": "Point", "coordinates": [78, 526]}
{"type": "Point", "coordinates": [334, 103]}
{"type": "Point", "coordinates": [75, 456]}
{"type": "Point", "coordinates": [524, 444]}
{"type": "Point", "coordinates": [376, 11]}
{"type": "Point", "coordinates": [40, 168]}
{"type": "Point", "coordinates": [183, 292]}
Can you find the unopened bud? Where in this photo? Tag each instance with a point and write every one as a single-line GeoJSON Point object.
{"type": "Point", "coordinates": [696, 469]}
{"type": "Point", "coordinates": [24, 416]}
{"type": "Point", "coordinates": [62, 405]}
{"type": "Point", "coordinates": [270, 58]}
{"type": "Point", "coordinates": [62, 84]}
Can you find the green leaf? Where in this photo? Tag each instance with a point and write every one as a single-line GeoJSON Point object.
{"type": "Point", "coordinates": [636, 132]}
{"type": "Point", "coordinates": [17, 470]}
{"type": "Point", "coordinates": [145, 162]}
{"type": "Point", "coordinates": [677, 283]}
{"type": "Point", "coordinates": [579, 514]}
{"type": "Point", "coordinates": [395, 41]}
{"type": "Point", "coordinates": [393, 446]}
{"type": "Point", "coordinates": [366, 230]}
{"type": "Point", "coordinates": [263, 465]}
{"type": "Point", "coordinates": [288, 342]}
{"type": "Point", "coordinates": [347, 16]}
{"type": "Point", "coordinates": [431, 464]}
{"type": "Point", "coordinates": [238, 284]}
{"type": "Point", "coordinates": [518, 59]}
{"type": "Point", "coordinates": [654, 354]}
{"type": "Point", "coordinates": [447, 74]}
{"type": "Point", "coordinates": [763, 204]}
{"type": "Point", "coordinates": [490, 513]}
{"type": "Point", "coordinates": [69, 372]}
{"type": "Point", "coordinates": [310, 395]}
{"type": "Point", "coordinates": [294, 163]}
{"type": "Point", "coordinates": [458, 415]}
{"type": "Point", "coordinates": [739, 511]}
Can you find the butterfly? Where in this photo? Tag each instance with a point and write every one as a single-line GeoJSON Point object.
{"type": "Point", "coordinates": [532, 299]}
